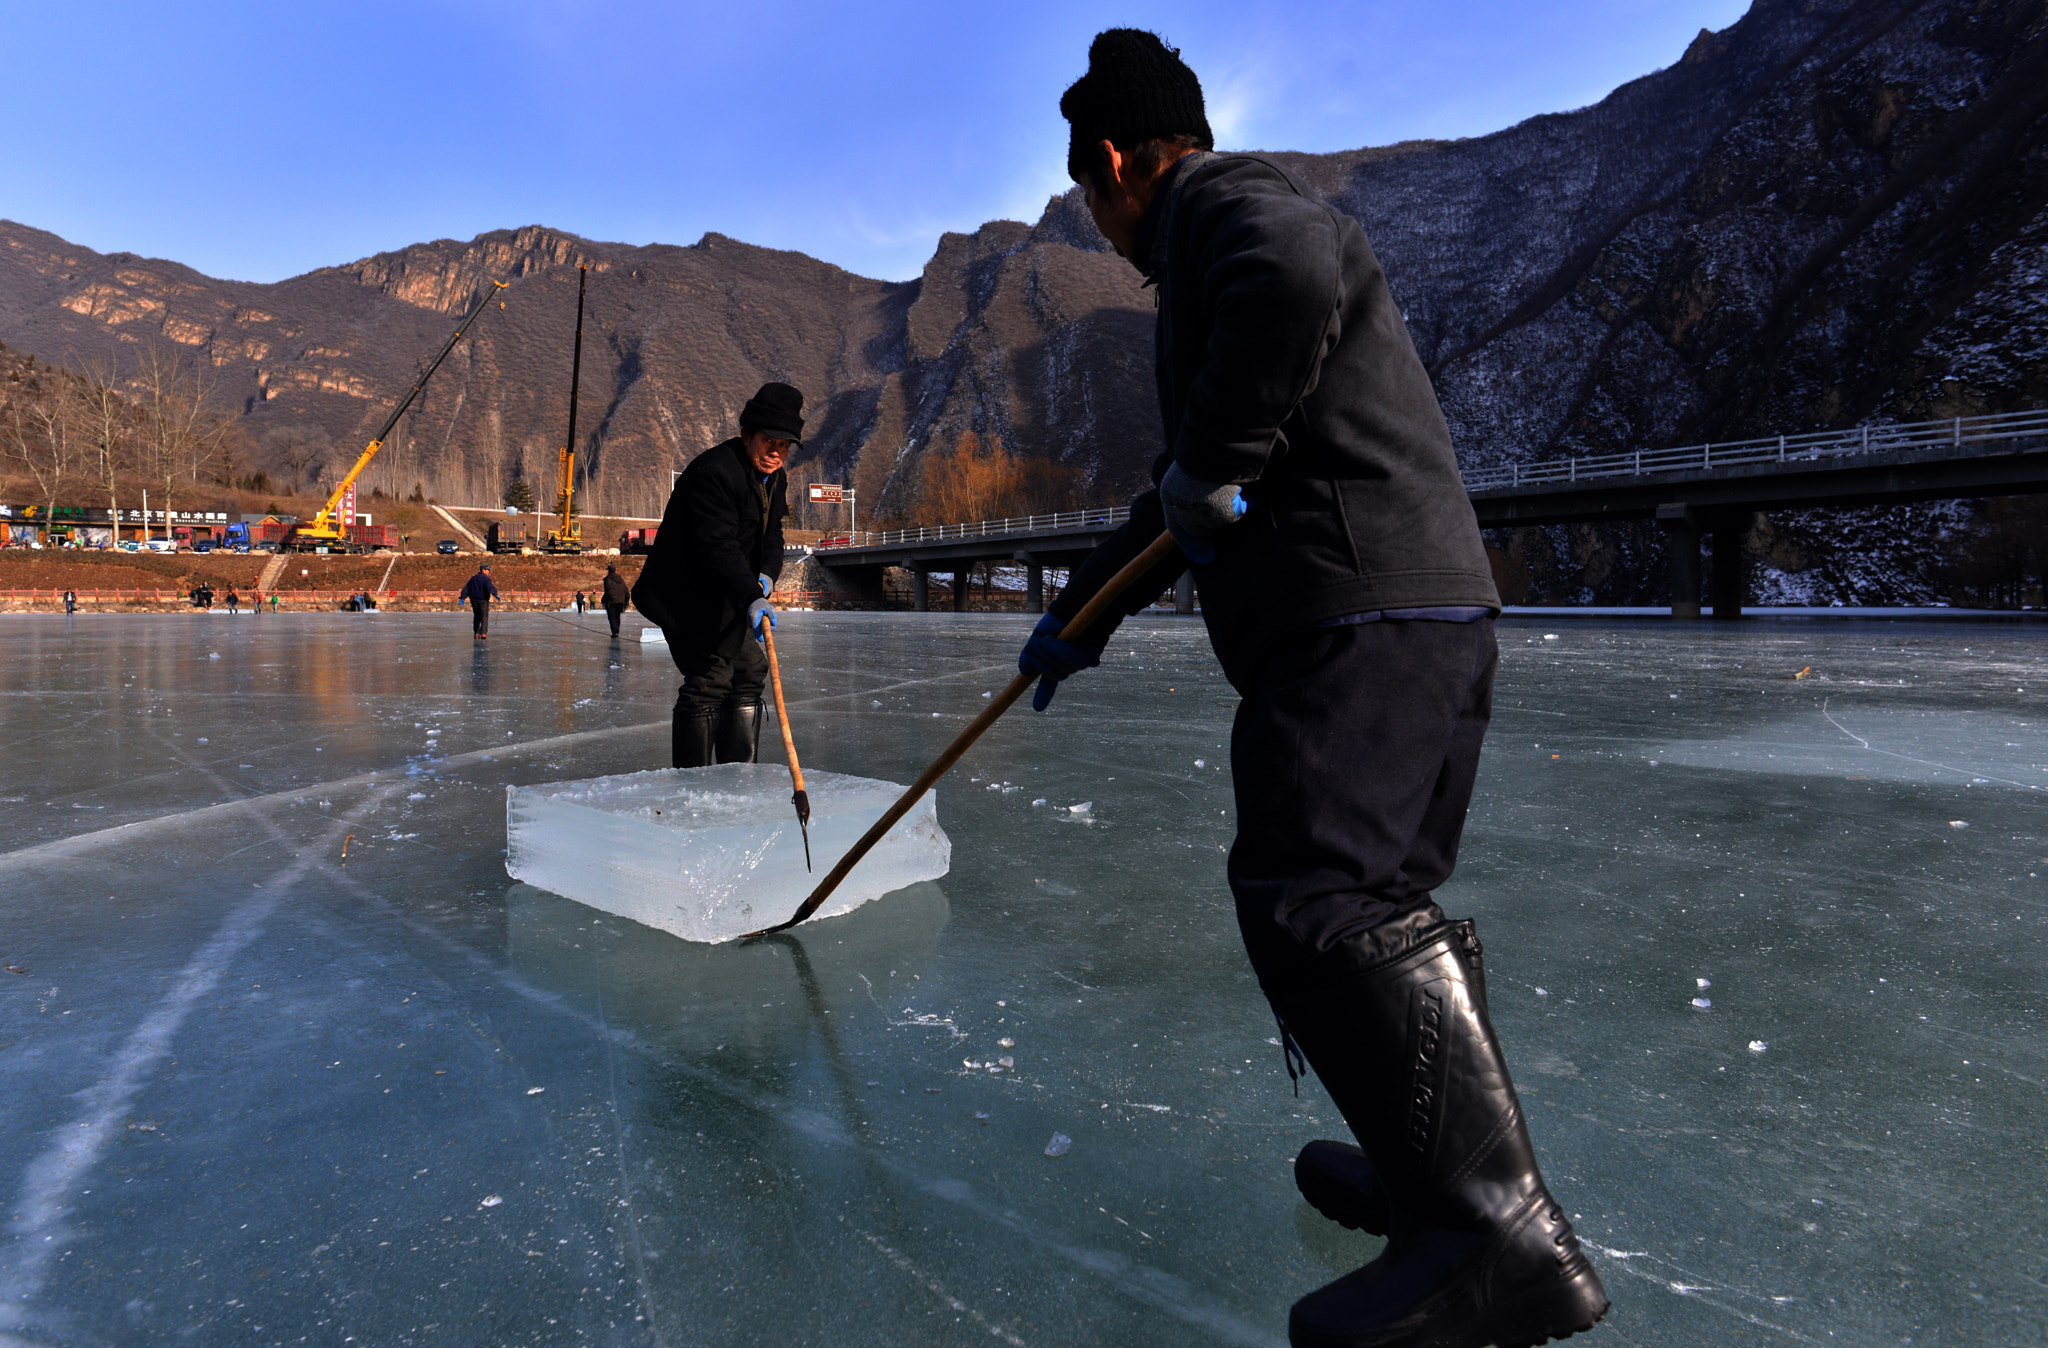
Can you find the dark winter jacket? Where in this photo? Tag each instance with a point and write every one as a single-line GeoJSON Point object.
{"type": "Point", "coordinates": [1284, 365]}
{"type": "Point", "coordinates": [722, 529]}
{"type": "Point", "coordinates": [479, 587]}
{"type": "Point", "coordinates": [615, 591]}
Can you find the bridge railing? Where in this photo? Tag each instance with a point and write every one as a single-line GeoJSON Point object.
{"type": "Point", "coordinates": [1951, 434]}
{"type": "Point", "coordinates": [1107, 517]}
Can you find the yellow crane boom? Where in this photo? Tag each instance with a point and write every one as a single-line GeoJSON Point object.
{"type": "Point", "coordinates": [324, 530]}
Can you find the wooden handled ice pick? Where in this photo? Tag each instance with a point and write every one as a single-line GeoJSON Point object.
{"type": "Point", "coordinates": [796, 771]}
{"type": "Point", "coordinates": [1162, 547]}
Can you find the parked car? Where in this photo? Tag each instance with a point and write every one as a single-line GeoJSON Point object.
{"type": "Point", "coordinates": [160, 545]}
{"type": "Point", "coordinates": [205, 545]}
{"type": "Point", "coordinates": [447, 547]}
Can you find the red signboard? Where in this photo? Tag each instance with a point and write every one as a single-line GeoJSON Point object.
{"type": "Point", "coordinates": [828, 493]}
{"type": "Point", "coordinates": [348, 506]}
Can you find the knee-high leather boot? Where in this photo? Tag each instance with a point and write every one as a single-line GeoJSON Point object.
{"type": "Point", "coordinates": [1478, 1251]}
{"type": "Point", "coordinates": [691, 737]}
{"type": "Point", "coordinates": [739, 732]}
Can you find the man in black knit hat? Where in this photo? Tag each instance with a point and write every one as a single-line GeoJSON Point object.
{"type": "Point", "coordinates": [707, 579]}
{"type": "Point", "coordinates": [1309, 477]}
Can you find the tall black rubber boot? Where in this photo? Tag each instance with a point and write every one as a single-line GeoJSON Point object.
{"type": "Point", "coordinates": [739, 732]}
{"type": "Point", "coordinates": [692, 737]}
{"type": "Point", "coordinates": [1478, 1252]}
{"type": "Point", "coordinates": [1336, 1177]}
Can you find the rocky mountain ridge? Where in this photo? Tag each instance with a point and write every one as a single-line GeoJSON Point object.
{"type": "Point", "coordinates": [1832, 211]}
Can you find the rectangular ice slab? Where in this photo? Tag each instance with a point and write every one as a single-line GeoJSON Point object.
{"type": "Point", "coordinates": [709, 854]}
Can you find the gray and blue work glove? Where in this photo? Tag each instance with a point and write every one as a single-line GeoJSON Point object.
{"type": "Point", "coordinates": [1198, 513]}
{"type": "Point", "coordinates": [757, 612]}
{"type": "Point", "coordinates": [767, 584]}
{"type": "Point", "coordinates": [1053, 659]}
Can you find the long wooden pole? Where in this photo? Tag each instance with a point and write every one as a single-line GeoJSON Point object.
{"type": "Point", "coordinates": [800, 799]}
{"type": "Point", "coordinates": [1162, 547]}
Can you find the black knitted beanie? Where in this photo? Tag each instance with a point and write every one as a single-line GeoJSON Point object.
{"type": "Point", "coordinates": [1136, 88]}
{"type": "Point", "coordinates": [777, 409]}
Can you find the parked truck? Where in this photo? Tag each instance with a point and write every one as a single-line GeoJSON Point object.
{"type": "Point", "coordinates": [637, 540]}
{"type": "Point", "coordinates": [373, 537]}
{"type": "Point", "coordinates": [510, 536]}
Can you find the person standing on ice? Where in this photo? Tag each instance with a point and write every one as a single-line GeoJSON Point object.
{"type": "Point", "coordinates": [708, 576]}
{"type": "Point", "coordinates": [1310, 480]}
{"type": "Point", "coordinates": [616, 596]}
{"type": "Point", "coordinates": [478, 594]}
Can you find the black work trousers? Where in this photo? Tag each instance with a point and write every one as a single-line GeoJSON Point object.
{"type": "Point", "coordinates": [480, 617]}
{"type": "Point", "coordinates": [711, 680]}
{"type": "Point", "coordinates": [612, 612]}
{"type": "Point", "coordinates": [1353, 756]}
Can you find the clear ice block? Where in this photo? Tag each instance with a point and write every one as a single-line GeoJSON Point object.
{"type": "Point", "coordinates": [709, 854]}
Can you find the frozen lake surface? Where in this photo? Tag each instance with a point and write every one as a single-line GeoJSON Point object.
{"type": "Point", "coordinates": [1766, 953]}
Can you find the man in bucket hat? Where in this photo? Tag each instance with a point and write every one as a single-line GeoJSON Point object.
{"type": "Point", "coordinates": [708, 576]}
{"type": "Point", "coordinates": [1309, 477]}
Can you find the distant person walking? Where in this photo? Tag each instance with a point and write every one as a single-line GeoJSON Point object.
{"type": "Point", "coordinates": [478, 594]}
{"type": "Point", "coordinates": [71, 606]}
{"type": "Point", "coordinates": [616, 596]}
{"type": "Point", "coordinates": [707, 579]}
{"type": "Point", "coordinates": [579, 603]}
{"type": "Point", "coordinates": [234, 601]}
{"type": "Point", "coordinates": [273, 601]}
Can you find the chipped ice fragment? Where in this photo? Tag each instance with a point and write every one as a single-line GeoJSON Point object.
{"type": "Point", "coordinates": [536, 1090]}
{"type": "Point", "coordinates": [1201, 763]}
{"type": "Point", "coordinates": [491, 1201]}
{"type": "Point", "coordinates": [1082, 808]}
{"type": "Point", "coordinates": [417, 795]}
{"type": "Point", "coordinates": [1038, 802]}
{"type": "Point", "coordinates": [1757, 1046]}
{"type": "Point", "coordinates": [1702, 1003]}
{"type": "Point", "coordinates": [202, 739]}
{"type": "Point", "coordinates": [1006, 1061]}
{"type": "Point", "coordinates": [1953, 823]}
{"type": "Point", "coordinates": [1704, 982]}
{"type": "Point", "coordinates": [988, 694]}
{"type": "Point", "coordinates": [1059, 1146]}
{"type": "Point", "coordinates": [1005, 1042]}
{"type": "Point", "coordinates": [995, 786]}
{"type": "Point", "coordinates": [213, 655]}
{"type": "Point", "coordinates": [1543, 992]}
{"type": "Point", "coordinates": [723, 856]}
{"type": "Point", "coordinates": [1550, 636]}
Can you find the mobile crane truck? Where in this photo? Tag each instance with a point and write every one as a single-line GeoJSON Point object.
{"type": "Point", "coordinates": [325, 533]}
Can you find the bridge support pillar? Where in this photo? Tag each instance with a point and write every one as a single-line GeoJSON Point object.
{"type": "Point", "coordinates": [1034, 582]}
{"type": "Point", "coordinates": [920, 589]}
{"type": "Point", "coordinates": [1682, 541]}
{"type": "Point", "coordinates": [1731, 562]}
{"type": "Point", "coordinates": [960, 580]}
{"type": "Point", "coordinates": [1184, 593]}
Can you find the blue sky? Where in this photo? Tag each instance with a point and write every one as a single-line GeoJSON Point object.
{"type": "Point", "coordinates": [257, 141]}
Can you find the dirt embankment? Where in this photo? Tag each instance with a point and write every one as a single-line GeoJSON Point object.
{"type": "Point", "coordinates": [155, 582]}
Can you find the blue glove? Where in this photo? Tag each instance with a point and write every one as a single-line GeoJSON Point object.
{"type": "Point", "coordinates": [1198, 513]}
{"type": "Point", "coordinates": [767, 584]}
{"type": "Point", "coordinates": [757, 611]}
{"type": "Point", "coordinates": [1052, 659]}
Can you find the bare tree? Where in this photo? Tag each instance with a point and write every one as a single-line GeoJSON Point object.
{"type": "Point", "coordinates": [106, 423]}
{"type": "Point", "coordinates": [185, 430]}
{"type": "Point", "coordinates": [40, 439]}
{"type": "Point", "coordinates": [299, 451]}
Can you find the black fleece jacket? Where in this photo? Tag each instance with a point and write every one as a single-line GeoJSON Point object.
{"type": "Point", "coordinates": [1284, 365]}
{"type": "Point", "coordinates": [721, 529]}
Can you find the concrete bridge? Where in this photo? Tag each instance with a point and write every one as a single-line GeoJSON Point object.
{"type": "Point", "coordinates": [1710, 490]}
